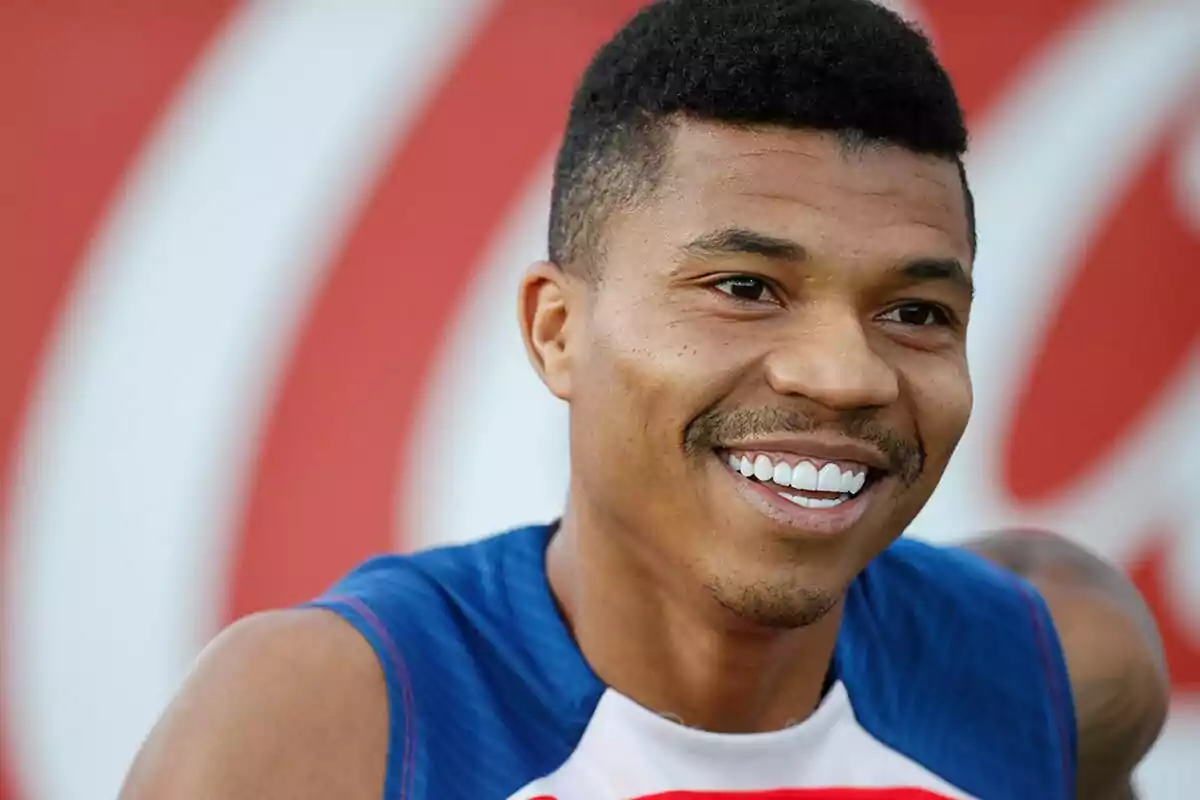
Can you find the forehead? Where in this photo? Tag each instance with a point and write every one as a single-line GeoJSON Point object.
{"type": "Point", "coordinates": [873, 203]}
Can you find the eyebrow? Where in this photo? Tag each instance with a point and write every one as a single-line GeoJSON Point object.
{"type": "Point", "coordinates": [741, 241]}
{"type": "Point", "coordinates": [948, 270]}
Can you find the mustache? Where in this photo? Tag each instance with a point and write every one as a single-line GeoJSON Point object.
{"type": "Point", "coordinates": [716, 428]}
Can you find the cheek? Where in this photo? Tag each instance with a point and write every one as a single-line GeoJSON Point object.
{"type": "Point", "coordinates": [644, 379]}
{"type": "Point", "coordinates": [642, 359]}
{"type": "Point", "coordinates": [637, 388]}
{"type": "Point", "coordinates": [623, 435]}
{"type": "Point", "coordinates": [941, 397]}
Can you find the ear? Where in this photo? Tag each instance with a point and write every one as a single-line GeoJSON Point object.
{"type": "Point", "coordinates": [545, 303]}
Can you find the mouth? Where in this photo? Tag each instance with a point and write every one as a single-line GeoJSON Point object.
{"type": "Point", "coordinates": [810, 494]}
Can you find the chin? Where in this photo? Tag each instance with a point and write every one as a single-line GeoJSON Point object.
{"type": "Point", "coordinates": [775, 588]}
{"type": "Point", "coordinates": [775, 605]}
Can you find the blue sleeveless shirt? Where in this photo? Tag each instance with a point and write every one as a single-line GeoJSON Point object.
{"type": "Point", "coordinates": [949, 683]}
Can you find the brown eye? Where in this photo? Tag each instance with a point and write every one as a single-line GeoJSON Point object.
{"type": "Point", "coordinates": [918, 315]}
{"type": "Point", "coordinates": [746, 287]}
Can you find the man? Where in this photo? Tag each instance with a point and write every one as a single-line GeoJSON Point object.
{"type": "Point", "coordinates": [755, 305]}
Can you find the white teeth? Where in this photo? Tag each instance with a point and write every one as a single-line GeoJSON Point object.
{"type": "Point", "coordinates": [764, 470]}
{"type": "Point", "coordinates": [804, 476]}
{"type": "Point", "coordinates": [828, 503]}
{"type": "Point", "coordinates": [829, 479]}
{"type": "Point", "coordinates": [813, 502]}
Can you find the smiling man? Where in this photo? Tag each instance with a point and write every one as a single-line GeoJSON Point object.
{"type": "Point", "coordinates": [756, 305]}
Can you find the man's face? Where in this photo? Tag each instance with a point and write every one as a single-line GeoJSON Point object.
{"type": "Point", "coordinates": [769, 375]}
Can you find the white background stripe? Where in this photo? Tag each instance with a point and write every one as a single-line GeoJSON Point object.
{"type": "Point", "coordinates": [155, 390]}
{"type": "Point", "coordinates": [483, 389]}
{"type": "Point", "coordinates": [1044, 184]}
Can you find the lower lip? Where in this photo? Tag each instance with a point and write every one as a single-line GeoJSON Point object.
{"type": "Point", "coordinates": [816, 521]}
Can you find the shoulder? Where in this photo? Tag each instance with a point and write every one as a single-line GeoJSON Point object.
{"type": "Point", "coordinates": [955, 588]}
{"type": "Point", "coordinates": [959, 611]}
{"type": "Point", "coordinates": [931, 597]}
{"type": "Point", "coordinates": [281, 704]}
{"type": "Point", "coordinates": [1114, 654]}
{"type": "Point", "coordinates": [472, 652]}
{"type": "Point", "coordinates": [1079, 586]}
{"type": "Point", "coordinates": [955, 662]}
{"type": "Point", "coordinates": [348, 695]}
{"type": "Point", "coordinates": [438, 611]}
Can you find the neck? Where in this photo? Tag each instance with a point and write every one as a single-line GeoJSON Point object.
{"type": "Point", "coordinates": [674, 649]}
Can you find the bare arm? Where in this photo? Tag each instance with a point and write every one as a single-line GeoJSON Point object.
{"type": "Point", "coordinates": [287, 704]}
{"type": "Point", "coordinates": [1113, 650]}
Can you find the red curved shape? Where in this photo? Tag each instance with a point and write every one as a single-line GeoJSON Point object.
{"type": "Point", "coordinates": [985, 45]}
{"type": "Point", "coordinates": [325, 485]}
{"type": "Point", "coordinates": [81, 85]}
{"type": "Point", "coordinates": [1126, 327]}
{"type": "Point", "coordinates": [1148, 570]}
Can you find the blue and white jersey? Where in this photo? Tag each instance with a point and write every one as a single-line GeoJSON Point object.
{"type": "Point", "coordinates": [949, 683]}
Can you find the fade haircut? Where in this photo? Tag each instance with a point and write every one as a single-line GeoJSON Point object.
{"type": "Point", "coordinates": [850, 67]}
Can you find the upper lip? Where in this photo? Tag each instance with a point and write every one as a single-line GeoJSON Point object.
{"type": "Point", "coordinates": [822, 447]}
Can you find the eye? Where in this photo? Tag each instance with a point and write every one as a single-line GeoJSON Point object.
{"type": "Point", "coordinates": [919, 315]}
{"type": "Point", "coordinates": [748, 288]}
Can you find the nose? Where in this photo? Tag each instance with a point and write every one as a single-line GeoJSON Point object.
{"type": "Point", "coordinates": [827, 358]}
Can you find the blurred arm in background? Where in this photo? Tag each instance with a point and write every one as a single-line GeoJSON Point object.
{"type": "Point", "coordinates": [1114, 654]}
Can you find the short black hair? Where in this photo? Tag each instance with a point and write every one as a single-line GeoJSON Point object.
{"type": "Point", "coordinates": [851, 67]}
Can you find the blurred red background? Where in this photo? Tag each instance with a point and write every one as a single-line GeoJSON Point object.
{"type": "Point", "coordinates": [256, 265]}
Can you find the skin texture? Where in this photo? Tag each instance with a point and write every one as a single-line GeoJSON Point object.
{"type": "Point", "coordinates": [676, 586]}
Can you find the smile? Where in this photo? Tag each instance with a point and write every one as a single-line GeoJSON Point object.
{"type": "Point", "coordinates": [815, 495]}
{"type": "Point", "coordinates": [835, 483]}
